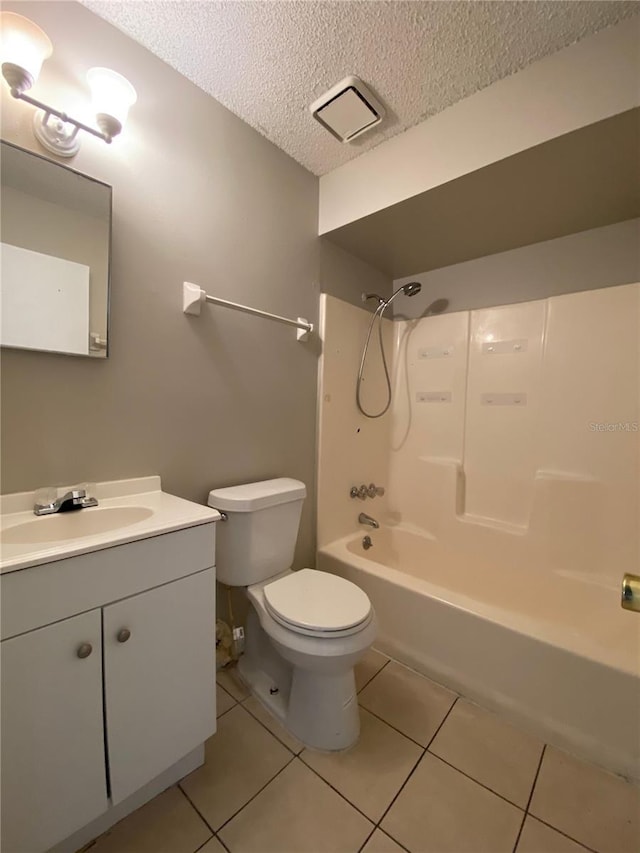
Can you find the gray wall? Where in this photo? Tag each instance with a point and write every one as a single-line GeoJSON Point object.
{"type": "Point", "coordinates": [346, 277]}
{"type": "Point", "coordinates": [603, 257]}
{"type": "Point", "coordinates": [198, 196]}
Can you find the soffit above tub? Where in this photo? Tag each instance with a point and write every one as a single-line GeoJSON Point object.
{"type": "Point", "coordinates": [582, 180]}
{"type": "Point", "coordinates": [267, 61]}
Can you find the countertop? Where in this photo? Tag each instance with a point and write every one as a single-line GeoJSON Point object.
{"type": "Point", "coordinates": [169, 513]}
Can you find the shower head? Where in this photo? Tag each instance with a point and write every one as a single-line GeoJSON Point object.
{"type": "Point", "coordinates": [411, 288]}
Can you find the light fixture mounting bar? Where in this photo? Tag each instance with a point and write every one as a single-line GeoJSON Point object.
{"type": "Point", "coordinates": [50, 111]}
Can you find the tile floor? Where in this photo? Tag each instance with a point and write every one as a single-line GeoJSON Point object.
{"type": "Point", "coordinates": [432, 773]}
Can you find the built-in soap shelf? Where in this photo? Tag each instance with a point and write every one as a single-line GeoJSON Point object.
{"type": "Point", "coordinates": [453, 491]}
{"type": "Point", "coordinates": [495, 524]}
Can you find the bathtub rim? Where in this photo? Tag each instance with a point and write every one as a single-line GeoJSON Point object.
{"type": "Point", "coordinates": [576, 719]}
{"type": "Point", "coordinates": [547, 632]}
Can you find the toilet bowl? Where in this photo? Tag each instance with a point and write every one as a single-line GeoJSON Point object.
{"type": "Point", "coordinates": [320, 705]}
{"type": "Point", "coordinates": [305, 629]}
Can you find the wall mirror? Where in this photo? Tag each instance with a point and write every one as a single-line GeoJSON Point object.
{"type": "Point", "coordinates": [54, 256]}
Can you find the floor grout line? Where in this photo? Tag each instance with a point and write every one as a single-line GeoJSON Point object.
{"type": "Point", "coordinates": [233, 698]}
{"type": "Point", "coordinates": [194, 807]}
{"type": "Point", "coordinates": [391, 726]}
{"type": "Point", "coordinates": [375, 675]}
{"type": "Point", "coordinates": [367, 840]}
{"type": "Point", "coordinates": [340, 794]}
{"type": "Point", "coordinates": [273, 734]}
{"type": "Point", "coordinates": [395, 840]}
{"type": "Point", "coordinates": [413, 770]}
{"type": "Point", "coordinates": [482, 785]}
{"type": "Point", "coordinates": [224, 690]}
{"type": "Point", "coordinates": [535, 778]}
{"type": "Point", "coordinates": [221, 843]}
{"type": "Point", "coordinates": [241, 686]}
{"type": "Point", "coordinates": [560, 832]}
{"type": "Point", "coordinates": [444, 720]}
{"type": "Point", "coordinates": [386, 834]}
{"type": "Point", "coordinates": [219, 716]}
{"type": "Point", "coordinates": [526, 808]}
{"type": "Point", "coordinates": [251, 799]}
{"type": "Point", "coordinates": [204, 843]}
{"type": "Point", "coordinates": [398, 792]}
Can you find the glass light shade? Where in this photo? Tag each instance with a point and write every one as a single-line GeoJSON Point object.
{"type": "Point", "coordinates": [112, 94]}
{"type": "Point", "coordinates": [23, 44]}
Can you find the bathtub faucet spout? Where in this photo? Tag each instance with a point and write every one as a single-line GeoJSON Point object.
{"type": "Point", "coordinates": [363, 518]}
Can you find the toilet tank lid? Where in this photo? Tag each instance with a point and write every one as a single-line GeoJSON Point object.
{"type": "Point", "coordinates": [252, 496]}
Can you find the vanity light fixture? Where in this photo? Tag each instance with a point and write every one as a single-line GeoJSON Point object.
{"type": "Point", "coordinates": [23, 49]}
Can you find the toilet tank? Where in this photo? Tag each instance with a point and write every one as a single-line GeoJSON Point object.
{"type": "Point", "coordinates": [259, 537]}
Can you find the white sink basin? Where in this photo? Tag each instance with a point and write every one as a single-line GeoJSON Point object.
{"type": "Point", "coordinates": [74, 525]}
{"type": "Point", "coordinates": [129, 510]}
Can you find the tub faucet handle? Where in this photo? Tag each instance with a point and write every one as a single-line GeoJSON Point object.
{"type": "Point", "coordinates": [359, 492]}
{"type": "Point", "coordinates": [374, 491]}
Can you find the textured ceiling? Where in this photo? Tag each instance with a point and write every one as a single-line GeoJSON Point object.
{"type": "Point", "coordinates": [267, 60]}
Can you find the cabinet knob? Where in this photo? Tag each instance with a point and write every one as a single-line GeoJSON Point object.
{"type": "Point", "coordinates": [84, 650]}
{"type": "Point", "coordinates": [123, 635]}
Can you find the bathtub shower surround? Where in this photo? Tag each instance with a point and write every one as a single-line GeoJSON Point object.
{"type": "Point", "coordinates": [511, 458]}
{"type": "Point", "coordinates": [353, 448]}
{"type": "Point", "coordinates": [510, 467]}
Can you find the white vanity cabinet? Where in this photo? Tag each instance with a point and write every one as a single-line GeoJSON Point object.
{"type": "Point", "coordinates": [159, 649]}
{"type": "Point", "coordinates": [107, 682]}
{"type": "Point", "coordinates": [53, 764]}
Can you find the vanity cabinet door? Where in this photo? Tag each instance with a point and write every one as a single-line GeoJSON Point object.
{"type": "Point", "coordinates": [53, 765]}
{"type": "Point", "coordinates": [159, 669]}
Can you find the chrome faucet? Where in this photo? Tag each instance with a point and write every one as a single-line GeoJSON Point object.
{"type": "Point", "coordinates": [75, 499]}
{"type": "Point", "coordinates": [363, 518]}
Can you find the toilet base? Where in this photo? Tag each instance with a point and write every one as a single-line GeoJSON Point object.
{"type": "Point", "coordinates": [323, 710]}
{"type": "Point", "coordinates": [318, 708]}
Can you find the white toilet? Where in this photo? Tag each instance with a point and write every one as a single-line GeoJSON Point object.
{"type": "Point", "coordinates": [305, 629]}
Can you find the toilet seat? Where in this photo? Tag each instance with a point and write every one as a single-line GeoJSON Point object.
{"type": "Point", "coordinates": [317, 604]}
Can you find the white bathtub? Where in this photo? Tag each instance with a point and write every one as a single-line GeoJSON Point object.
{"type": "Point", "coordinates": [556, 654]}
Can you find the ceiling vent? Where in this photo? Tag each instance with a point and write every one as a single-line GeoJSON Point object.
{"type": "Point", "coordinates": [348, 109]}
